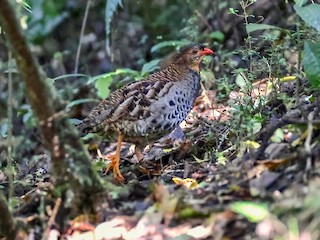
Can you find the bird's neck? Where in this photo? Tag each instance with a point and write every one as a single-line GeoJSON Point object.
{"type": "Point", "coordinates": [185, 68]}
{"type": "Point", "coordinates": [186, 63]}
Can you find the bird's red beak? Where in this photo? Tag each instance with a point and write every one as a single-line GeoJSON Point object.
{"type": "Point", "coordinates": [207, 51]}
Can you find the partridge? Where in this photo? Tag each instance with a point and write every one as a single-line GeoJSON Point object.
{"type": "Point", "coordinates": [144, 111]}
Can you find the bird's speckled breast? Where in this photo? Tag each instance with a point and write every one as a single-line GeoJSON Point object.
{"type": "Point", "coordinates": [167, 112]}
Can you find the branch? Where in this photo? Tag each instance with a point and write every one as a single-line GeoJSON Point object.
{"type": "Point", "coordinates": [290, 117]}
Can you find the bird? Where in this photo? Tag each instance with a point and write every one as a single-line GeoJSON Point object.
{"type": "Point", "coordinates": [144, 111]}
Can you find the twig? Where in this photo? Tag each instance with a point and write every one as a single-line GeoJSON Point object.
{"type": "Point", "coordinates": [9, 146]}
{"type": "Point", "coordinates": [307, 143]}
{"type": "Point", "coordinates": [52, 218]}
{"type": "Point", "coordinates": [244, 5]}
{"type": "Point", "coordinates": [84, 22]}
{"type": "Point", "coordinates": [203, 19]}
{"type": "Point", "coordinates": [298, 82]}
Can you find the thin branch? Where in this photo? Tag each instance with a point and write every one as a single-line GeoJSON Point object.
{"type": "Point", "coordinates": [307, 143]}
{"type": "Point", "coordinates": [52, 218]}
{"type": "Point", "coordinates": [203, 19]}
{"type": "Point", "coordinates": [9, 145]}
{"type": "Point", "coordinates": [84, 23]}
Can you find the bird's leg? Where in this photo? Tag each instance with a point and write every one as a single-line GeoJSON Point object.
{"type": "Point", "coordinates": [138, 153]}
{"type": "Point", "coordinates": [115, 161]}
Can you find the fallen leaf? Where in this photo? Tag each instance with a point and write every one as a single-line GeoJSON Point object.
{"type": "Point", "coordinates": [189, 183]}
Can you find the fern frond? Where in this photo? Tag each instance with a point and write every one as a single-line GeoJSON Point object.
{"type": "Point", "coordinates": [111, 7]}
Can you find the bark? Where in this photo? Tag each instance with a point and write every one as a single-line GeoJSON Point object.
{"type": "Point", "coordinates": [70, 161]}
{"type": "Point", "coordinates": [7, 225]}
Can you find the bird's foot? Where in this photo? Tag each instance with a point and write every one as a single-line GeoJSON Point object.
{"type": "Point", "coordinates": [114, 164]}
{"type": "Point", "coordinates": [115, 161]}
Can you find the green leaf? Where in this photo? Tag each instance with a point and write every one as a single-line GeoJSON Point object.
{"type": "Point", "coordinates": [300, 2]}
{"type": "Point", "coordinates": [165, 44]}
{"type": "Point", "coordinates": [119, 71]}
{"type": "Point", "coordinates": [25, 5]}
{"type": "Point", "coordinates": [310, 14]}
{"type": "Point", "coordinates": [240, 81]}
{"type": "Point", "coordinates": [198, 160]}
{"type": "Point", "coordinates": [311, 62]}
{"type": "Point", "coordinates": [45, 17]}
{"type": "Point", "coordinates": [251, 27]}
{"type": "Point", "coordinates": [233, 11]}
{"type": "Point", "coordinates": [71, 75]}
{"type": "Point", "coordinates": [11, 70]}
{"type": "Point", "coordinates": [221, 159]}
{"type": "Point", "coordinates": [255, 123]}
{"type": "Point", "coordinates": [189, 212]}
{"type": "Point", "coordinates": [103, 82]}
{"type": "Point", "coordinates": [150, 66]}
{"type": "Point", "coordinates": [80, 101]}
{"type": "Point", "coordinates": [111, 7]}
{"type": "Point", "coordinates": [167, 150]}
{"type": "Point", "coordinates": [254, 212]}
{"type": "Point", "coordinates": [4, 128]}
{"type": "Point", "coordinates": [278, 136]}
{"type": "Point", "coordinates": [102, 85]}
{"type": "Point", "coordinates": [217, 35]}
{"type": "Point", "coordinates": [27, 115]}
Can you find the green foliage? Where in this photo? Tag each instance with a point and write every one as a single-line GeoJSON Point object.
{"type": "Point", "coordinates": [309, 14]}
{"type": "Point", "coordinates": [300, 2]}
{"type": "Point", "coordinates": [311, 59]}
{"type": "Point", "coordinates": [311, 62]}
{"type": "Point", "coordinates": [221, 159]}
{"type": "Point", "coordinates": [3, 128]}
{"type": "Point", "coordinates": [150, 67]}
{"type": "Point", "coordinates": [111, 7]}
{"type": "Point", "coordinates": [254, 212]}
{"type": "Point", "coordinates": [103, 85]}
{"type": "Point", "coordinates": [81, 101]}
{"type": "Point", "coordinates": [278, 136]}
{"type": "Point", "coordinates": [46, 16]}
{"type": "Point", "coordinates": [103, 82]}
{"type": "Point", "coordinates": [165, 44]}
{"type": "Point", "coordinates": [246, 117]}
{"type": "Point", "coordinates": [25, 5]}
{"type": "Point", "coordinates": [217, 35]}
{"type": "Point", "coordinates": [251, 27]}
{"type": "Point", "coordinates": [72, 75]}
{"type": "Point", "coordinates": [233, 11]}
{"type": "Point", "coordinates": [26, 113]}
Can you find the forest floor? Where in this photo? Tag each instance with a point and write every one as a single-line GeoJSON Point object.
{"type": "Point", "coordinates": [174, 194]}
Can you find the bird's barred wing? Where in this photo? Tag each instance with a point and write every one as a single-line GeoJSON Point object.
{"type": "Point", "coordinates": [129, 102]}
{"type": "Point", "coordinates": [137, 98]}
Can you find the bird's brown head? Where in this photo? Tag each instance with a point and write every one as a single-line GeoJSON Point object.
{"type": "Point", "coordinates": [192, 55]}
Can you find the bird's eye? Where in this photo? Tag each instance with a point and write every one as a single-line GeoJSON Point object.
{"type": "Point", "coordinates": [194, 51]}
